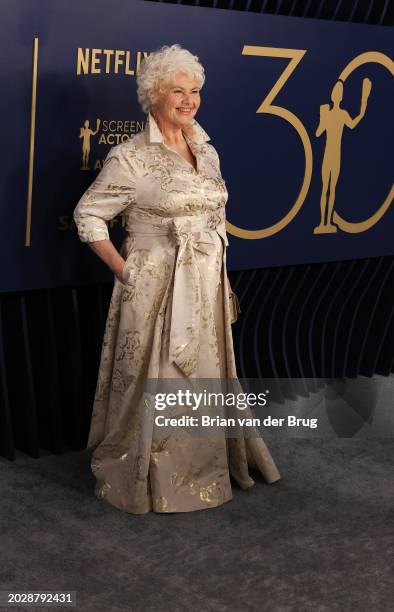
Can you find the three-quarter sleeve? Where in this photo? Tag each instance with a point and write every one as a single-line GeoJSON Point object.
{"type": "Point", "coordinates": [111, 193]}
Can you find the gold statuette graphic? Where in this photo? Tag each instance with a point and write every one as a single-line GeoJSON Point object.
{"type": "Point", "coordinates": [333, 121]}
{"type": "Point", "coordinates": [86, 133]}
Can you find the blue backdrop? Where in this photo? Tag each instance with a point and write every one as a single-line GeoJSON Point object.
{"type": "Point", "coordinates": [266, 104]}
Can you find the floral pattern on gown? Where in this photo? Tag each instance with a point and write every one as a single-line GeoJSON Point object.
{"type": "Point", "coordinates": [169, 318]}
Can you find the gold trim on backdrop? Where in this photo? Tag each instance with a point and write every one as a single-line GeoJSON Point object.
{"type": "Point", "coordinates": [32, 134]}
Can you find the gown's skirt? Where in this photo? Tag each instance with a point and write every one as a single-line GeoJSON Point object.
{"type": "Point", "coordinates": [136, 471]}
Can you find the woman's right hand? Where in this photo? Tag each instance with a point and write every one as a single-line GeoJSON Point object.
{"type": "Point", "coordinates": [108, 253]}
{"type": "Point", "coordinates": [119, 273]}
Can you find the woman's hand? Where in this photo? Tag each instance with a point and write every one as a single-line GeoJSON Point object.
{"type": "Point", "coordinates": [119, 273]}
{"type": "Point", "coordinates": [107, 252]}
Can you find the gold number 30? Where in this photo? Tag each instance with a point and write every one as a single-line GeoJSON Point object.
{"type": "Point", "coordinates": [295, 56]}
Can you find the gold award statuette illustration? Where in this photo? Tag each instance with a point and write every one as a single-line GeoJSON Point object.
{"type": "Point", "coordinates": [86, 133]}
{"type": "Point", "coordinates": [333, 121]}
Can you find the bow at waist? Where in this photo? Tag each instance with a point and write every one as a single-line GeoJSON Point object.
{"type": "Point", "coordinates": [191, 234]}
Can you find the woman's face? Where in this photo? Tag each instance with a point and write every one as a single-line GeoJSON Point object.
{"type": "Point", "coordinates": [179, 102]}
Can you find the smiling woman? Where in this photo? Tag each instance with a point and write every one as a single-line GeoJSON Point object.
{"type": "Point", "coordinates": [177, 104]}
{"type": "Point", "coordinates": [173, 109]}
{"type": "Point", "coordinates": [170, 315]}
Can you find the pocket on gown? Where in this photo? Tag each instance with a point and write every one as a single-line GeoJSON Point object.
{"type": "Point", "coordinates": [123, 275]}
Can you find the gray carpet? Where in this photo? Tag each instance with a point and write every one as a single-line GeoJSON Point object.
{"type": "Point", "coordinates": [321, 538]}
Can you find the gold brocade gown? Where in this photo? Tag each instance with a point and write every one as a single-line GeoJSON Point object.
{"type": "Point", "coordinates": [169, 318]}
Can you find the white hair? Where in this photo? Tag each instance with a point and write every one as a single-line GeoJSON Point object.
{"type": "Point", "coordinates": [159, 69]}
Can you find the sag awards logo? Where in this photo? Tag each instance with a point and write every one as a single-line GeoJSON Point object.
{"type": "Point", "coordinates": [333, 121]}
{"type": "Point", "coordinates": [86, 134]}
{"type": "Point", "coordinates": [112, 133]}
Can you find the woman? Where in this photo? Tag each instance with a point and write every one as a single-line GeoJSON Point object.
{"type": "Point", "coordinates": [169, 315]}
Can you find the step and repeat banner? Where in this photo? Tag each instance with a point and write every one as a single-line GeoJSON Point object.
{"type": "Point", "coordinates": [299, 110]}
